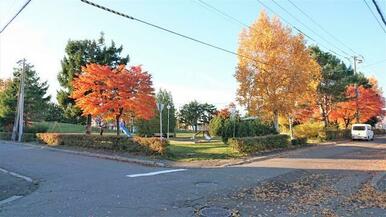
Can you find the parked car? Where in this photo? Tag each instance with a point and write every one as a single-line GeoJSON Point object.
{"type": "Point", "coordinates": [362, 131]}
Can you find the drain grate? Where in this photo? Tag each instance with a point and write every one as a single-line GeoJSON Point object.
{"type": "Point", "coordinates": [215, 211]}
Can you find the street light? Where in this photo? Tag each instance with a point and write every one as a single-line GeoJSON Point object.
{"type": "Point", "coordinates": [160, 107]}
{"type": "Point", "coordinates": [168, 107]}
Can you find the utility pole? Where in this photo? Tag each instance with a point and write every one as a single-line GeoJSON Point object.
{"type": "Point", "coordinates": [18, 124]}
{"type": "Point", "coordinates": [359, 60]}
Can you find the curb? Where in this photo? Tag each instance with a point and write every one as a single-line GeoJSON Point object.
{"type": "Point", "coordinates": [283, 153]}
{"type": "Point", "coordinates": [108, 157]}
{"type": "Point", "coordinates": [90, 154]}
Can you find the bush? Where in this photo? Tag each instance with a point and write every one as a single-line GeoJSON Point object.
{"type": "Point", "coordinates": [36, 128]}
{"type": "Point", "coordinates": [379, 131]}
{"type": "Point", "coordinates": [109, 142]}
{"type": "Point", "coordinates": [247, 128]}
{"type": "Point", "coordinates": [27, 137]}
{"type": "Point", "coordinates": [330, 134]}
{"type": "Point", "coordinates": [261, 143]}
{"type": "Point", "coordinates": [308, 130]}
{"type": "Point", "coordinates": [299, 141]}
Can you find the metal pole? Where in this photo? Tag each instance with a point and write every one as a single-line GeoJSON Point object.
{"type": "Point", "coordinates": [19, 109]}
{"type": "Point", "coordinates": [21, 116]}
{"type": "Point", "coordinates": [160, 124]}
{"type": "Point", "coordinates": [168, 121]}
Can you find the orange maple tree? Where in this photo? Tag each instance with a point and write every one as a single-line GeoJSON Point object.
{"type": "Point", "coordinates": [369, 104]}
{"type": "Point", "coordinates": [114, 93]}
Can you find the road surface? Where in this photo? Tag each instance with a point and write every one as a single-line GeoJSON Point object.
{"type": "Point", "coordinates": [75, 185]}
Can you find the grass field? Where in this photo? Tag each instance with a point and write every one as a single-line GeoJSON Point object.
{"type": "Point", "coordinates": [182, 148]}
{"type": "Point", "coordinates": [57, 127]}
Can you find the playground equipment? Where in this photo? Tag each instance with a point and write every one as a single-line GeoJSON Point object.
{"type": "Point", "coordinates": [205, 134]}
{"type": "Point", "coordinates": [124, 129]}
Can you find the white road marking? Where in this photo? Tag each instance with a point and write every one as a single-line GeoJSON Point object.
{"type": "Point", "coordinates": [154, 173]}
{"type": "Point", "coordinates": [26, 178]}
{"type": "Point", "coordinates": [10, 199]}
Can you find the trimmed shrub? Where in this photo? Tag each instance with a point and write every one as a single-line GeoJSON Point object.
{"type": "Point", "coordinates": [379, 131]}
{"type": "Point", "coordinates": [109, 142]}
{"type": "Point", "coordinates": [247, 128]}
{"type": "Point", "coordinates": [299, 141]}
{"type": "Point", "coordinates": [249, 145]}
{"type": "Point", "coordinates": [36, 128]}
{"type": "Point", "coordinates": [330, 134]}
{"type": "Point", "coordinates": [308, 130]}
{"type": "Point", "coordinates": [27, 137]}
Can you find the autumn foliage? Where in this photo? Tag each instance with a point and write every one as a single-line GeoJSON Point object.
{"type": "Point", "coordinates": [275, 69]}
{"type": "Point", "coordinates": [368, 104]}
{"type": "Point", "coordinates": [114, 93]}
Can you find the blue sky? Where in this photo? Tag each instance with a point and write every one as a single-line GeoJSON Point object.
{"type": "Point", "coordinates": [190, 70]}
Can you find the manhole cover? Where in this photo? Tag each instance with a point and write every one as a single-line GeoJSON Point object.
{"type": "Point", "coordinates": [206, 184]}
{"type": "Point", "coordinates": [215, 212]}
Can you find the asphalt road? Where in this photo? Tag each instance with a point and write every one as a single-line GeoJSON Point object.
{"type": "Point", "coordinates": [75, 185]}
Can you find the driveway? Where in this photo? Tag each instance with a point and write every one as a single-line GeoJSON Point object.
{"type": "Point", "coordinates": [75, 185]}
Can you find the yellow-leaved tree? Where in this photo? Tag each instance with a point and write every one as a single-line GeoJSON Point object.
{"type": "Point", "coordinates": [275, 71]}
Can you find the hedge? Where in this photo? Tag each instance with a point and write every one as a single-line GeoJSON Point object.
{"type": "Point", "coordinates": [379, 131]}
{"type": "Point", "coordinates": [109, 142]}
{"type": "Point", "coordinates": [299, 141]}
{"type": "Point", "coordinates": [335, 134]}
{"type": "Point", "coordinates": [260, 143]}
{"type": "Point", "coordinates": [27, 137]}
{"type": "Point", "coordinates": [240, 128]}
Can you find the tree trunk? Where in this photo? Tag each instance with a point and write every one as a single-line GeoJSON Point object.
{"type": "Point", "coordinates": [88, 124]}
{"type": "Point", "coordinates": [117, 123]}
{"type": "Point", "coordinates": [276, 121]}
{"type": "Point", "coordinates": [290, 127]}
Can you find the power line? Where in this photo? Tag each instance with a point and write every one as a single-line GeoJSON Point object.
{"type": "Point", "coordinates": [222, 13]}
{"type": "Point", "coordinates": [374, 63]}
{"type": "Point", "coordinates": [375, 16]}
{"type": "Point", "coordinates": [21, 9]}
{"type": "Point", "coordinates": [297, 29]}
{"type": "Point", "coordinates": [379, 12]}
{"type": "Point", "coordinates": [320, 26]}
{"type": "Point", "coordinates": [310, 29]}
{"type": "Point", "coordinates": [178, 34]}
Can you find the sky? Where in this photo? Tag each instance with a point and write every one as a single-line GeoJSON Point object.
{"type": "Point", "coordinates": [189, 70]}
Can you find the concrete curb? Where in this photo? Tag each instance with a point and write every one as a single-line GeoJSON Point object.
{"type": "Point", "coordinates": [283, 153]}
{"type": "Point", "coordinates": [96, 155]}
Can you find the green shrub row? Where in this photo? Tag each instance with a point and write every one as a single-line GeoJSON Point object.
{"type": "Point", "coordinates": [335, 134]}
{"type": "Point", "coordinates": [27, 137]}
{"type": "Point", "coordinates": [109, 142]}
{"type": "Point", "coordinates": [261, 143]}
{"type": "Point", "coordinates": [379, 131]}
{"type": "Point", "coordinates": [299, 141]}
{"type": "Point", "coordinates": [240, 128]}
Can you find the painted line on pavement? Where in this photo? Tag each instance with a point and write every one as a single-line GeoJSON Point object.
{"type": "Point", "coordinates": [26, 178]}
{"type": "Point", "coordinates": [155, 173]}
{"type": "Point", "coordinates": [10, 199]}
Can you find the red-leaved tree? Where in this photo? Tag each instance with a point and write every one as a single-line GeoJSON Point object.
{"type": "Point", "coordinates": [114, 93]}
{"type": "Point", "coordinates": [368, 104]}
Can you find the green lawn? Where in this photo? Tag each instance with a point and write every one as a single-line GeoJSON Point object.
{"type": "Point", "coordinates": [57, 127]}
{"type": "Point", "coordinates": [182, 148]}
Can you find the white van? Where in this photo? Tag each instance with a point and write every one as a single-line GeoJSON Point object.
{"type": "Point", "coordinates": [362, 131]}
